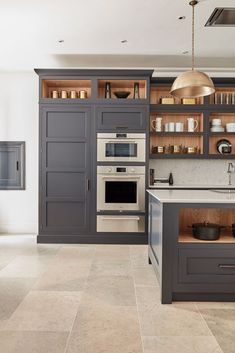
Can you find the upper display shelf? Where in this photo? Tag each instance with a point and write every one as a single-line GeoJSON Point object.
{"type": "Point", "coordinates": [106, 89]}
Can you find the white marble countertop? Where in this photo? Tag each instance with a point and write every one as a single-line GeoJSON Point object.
{"type": "Point", "coordinates": [187, 186]}
{"type": "Point", "coordinates": [193, 196]}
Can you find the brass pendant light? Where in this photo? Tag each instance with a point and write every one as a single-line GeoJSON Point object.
{"type": "Point", "coordinates": [193, 83]}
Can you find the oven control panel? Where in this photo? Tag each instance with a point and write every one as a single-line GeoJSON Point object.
{"type": "Point", "coordinates": [120, 170]}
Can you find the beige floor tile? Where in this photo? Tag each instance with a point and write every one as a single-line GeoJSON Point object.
{"type": "Point", "coordinates": [222, 324]}
{"type": "Point", "coordinates": [105, 329]}
{"type": "Point", "coordinates": [45, 311]}
{"type": "Point", "coordinates": [112, 290]}
{"type": "Point", "coordinates": [66, 277]}
{"type": "Point", "coordinates": [216, 305]}
{"type": "Point", "coordinates": [139, 257]}
{"type": "Point", "coordinates": [181, 319]}
{"type": "Point", "coordinates": [12, 292]}
{"type": "Point", "coordinates": [32, 342]}
{"type": "Point", "coordinates": [148, 298]}
{"type": "Point", "coordinates": [112, 269]}
{"type": "Point", "coordinates": [82, 256]}
{"type": "Point", "coordinates": [145, 276]}
{"type": "Point", "coordinates": [181, 344]}
{"type": "Point", "coordinates": [112, 254]}
{"type": "Point", "coordinates": [5, 260]}
{"type": "Point", "coordinates": [26, 267]}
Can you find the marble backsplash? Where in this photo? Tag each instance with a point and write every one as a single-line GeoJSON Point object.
{"type": "Point", "coordinates": [202, 172]}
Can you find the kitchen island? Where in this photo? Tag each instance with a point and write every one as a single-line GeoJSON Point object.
{"type": "Point", "coordinates": [188, 268]}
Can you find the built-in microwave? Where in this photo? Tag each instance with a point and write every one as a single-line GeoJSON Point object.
{"type": "Point", "coordinates": [121, 147]}
{"type": "Point", "coordinates": [121, 188]}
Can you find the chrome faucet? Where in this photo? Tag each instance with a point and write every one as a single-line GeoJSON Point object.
{"type": "Point", "coordinates": [230, 171]}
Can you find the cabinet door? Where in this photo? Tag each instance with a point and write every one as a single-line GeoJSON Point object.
{"type": "Point", "coordinates": [65, 170]}
{"type": "Point", "coordinates": [114, 118]}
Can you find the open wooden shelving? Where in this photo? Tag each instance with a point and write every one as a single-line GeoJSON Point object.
{"type": "Point", "coordinates": [222, 216]}
{"type": "Point", "coordinates": [122, 85]}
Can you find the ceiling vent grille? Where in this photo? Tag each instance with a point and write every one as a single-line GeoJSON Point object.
{"type": "Point", "coordinates": [222, 17]}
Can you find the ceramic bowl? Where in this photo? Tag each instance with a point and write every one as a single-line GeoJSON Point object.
{"type": "Point", "coordinates": [230, 127]}
{"type": "Point", "coordinates": [217, 129]}
{"type": "Point", "coordinates": [121, 94]}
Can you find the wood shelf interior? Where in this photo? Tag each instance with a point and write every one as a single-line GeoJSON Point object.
{"type": "Point", "coordinates": [122, 85]}
{"type": "Point", "coordinates": [225, 118]}
{"type": "Point", "coordinates": [184, 141]}
{"type": "Point", "coordinates": [65, 85]}
{"type": "Point", "coordinates": [213, 139]}
{"type": "Point", "coordinates": [221, 216]}
{"type": "Point", "coordinates": [177, 117]}
{"type": "Point", "coordinates": [223, 95]}
{"type": "Point", "coordinates": [156, 93]}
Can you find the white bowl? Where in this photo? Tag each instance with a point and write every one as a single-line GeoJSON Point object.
{"type": "Point", "coordinates": [216, 122]}
{"type": "Point", "coordinates": [217, 129]}
{"type": "Point", "coordinates": [230, 127]}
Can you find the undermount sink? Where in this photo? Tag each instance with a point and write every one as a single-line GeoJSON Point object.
{"type": "Point", "coordinates": [220, 191]}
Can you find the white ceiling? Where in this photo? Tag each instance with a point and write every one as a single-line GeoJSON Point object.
{"type": "Point", "coordinates": [92, 31]}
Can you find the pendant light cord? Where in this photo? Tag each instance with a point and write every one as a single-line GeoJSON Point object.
{"type": "Point", "coordinates": [193, 3]}
{"type": "Point", "coordinates": [193, 41]}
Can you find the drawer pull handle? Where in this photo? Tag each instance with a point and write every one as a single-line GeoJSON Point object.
{"type": "Point", "coordinates": [226, 266]}
{"type": "Point", "coordinates": [121, 127]}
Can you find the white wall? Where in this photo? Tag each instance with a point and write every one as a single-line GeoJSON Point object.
{"type": "Point", "coordinates": [19, 122]}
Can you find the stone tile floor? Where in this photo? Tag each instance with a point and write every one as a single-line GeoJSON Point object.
{"type": "Point", "coordinates": [98, 299]}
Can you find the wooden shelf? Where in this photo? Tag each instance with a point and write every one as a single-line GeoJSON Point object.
{"type": "Point", "coordinates": [65, 85]}
{"type": "Point", "coordinates": [183, 133]}
{"type": "Point", "coordinates": [159, 91]}
{"type": "Point", "coordinates": [122, 85]}
{"type": "Point", "coordinates": [176, 156]}
{"type": "Point", "coordinates": [225, 238]}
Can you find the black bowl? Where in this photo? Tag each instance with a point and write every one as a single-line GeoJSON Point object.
{"type": "Point", "coordinates": [121, 94]}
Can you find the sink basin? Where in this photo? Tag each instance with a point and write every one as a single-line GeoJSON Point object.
{"type": "Point", "coordinates": [220, 191]}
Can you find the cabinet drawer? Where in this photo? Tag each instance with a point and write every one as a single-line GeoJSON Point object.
{"type": "Point", "coordinates": [206, 266]}
{"type": "Point", "coordinates": [121, 118]}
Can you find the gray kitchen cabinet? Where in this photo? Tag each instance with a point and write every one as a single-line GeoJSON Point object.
{"type": "Point", "coordinates": [65, 170]}
{"type": "Point", "coordinates": [188, 268]}
{"type": "Point", "coordinates": [122, 118]}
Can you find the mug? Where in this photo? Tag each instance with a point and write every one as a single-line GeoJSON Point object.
{"type": "Point", "coordinates": [157, 124]}
{"type": "Point", "coordinates": [179, 127]}
{"type": "Point", "coordinates": [171, 126]}
{"type": "Point", "coordinates": [192, 124]}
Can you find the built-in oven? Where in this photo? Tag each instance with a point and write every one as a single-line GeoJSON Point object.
{"type": "Point", "coordinates": [121, 188]}
{"type": "Point", "coordinates": [121, 147]}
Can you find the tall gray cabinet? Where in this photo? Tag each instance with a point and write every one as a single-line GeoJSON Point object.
{"type": "Point", "coordinates": [67, 148]}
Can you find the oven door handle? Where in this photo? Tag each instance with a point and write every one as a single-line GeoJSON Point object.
{"type": "Point", "coordinates": [120, 218]}
{"type": "Point", "coordinates": [121, 177]}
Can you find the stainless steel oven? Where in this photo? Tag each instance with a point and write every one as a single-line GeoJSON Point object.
{"type": "Point", "coordinates": [121, 188]}
{"type": "Point", "coordinates": [121, 147]}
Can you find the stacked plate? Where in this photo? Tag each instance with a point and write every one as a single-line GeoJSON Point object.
{"type": "Point", "coordinates": [230, 127]}
{"type": "Point", "coordinates": [216, 126]}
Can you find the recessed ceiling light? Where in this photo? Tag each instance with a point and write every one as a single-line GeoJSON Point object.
{"type": "Point", "coordinates": [61, 41]}
{"type": "Point", "coordinates": [181, 18]}
{"type": "Point", "coordinates": [185, 52]}
{"type": "Point", "coordinates": [124, 41]}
